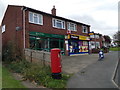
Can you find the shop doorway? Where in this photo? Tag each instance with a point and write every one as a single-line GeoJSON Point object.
{"type": "Point", "coordinates": [74, 46]}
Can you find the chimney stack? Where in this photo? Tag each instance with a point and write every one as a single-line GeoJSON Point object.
{"type": "Point", "coordinates": [53, 11]}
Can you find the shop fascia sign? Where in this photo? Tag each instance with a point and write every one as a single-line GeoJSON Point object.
{"type": "Point", "coordinates": [91, 33]}
{"type": "Point", "coordinates": [46, 35]}
{"type": "Point", "coordinates": [79, 37]}
{"type": "Point", "coordinates": [74, 37]}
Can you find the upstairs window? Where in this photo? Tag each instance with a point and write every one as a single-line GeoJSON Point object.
{"type": "Point", "coordinates": [3, 28]}
{"type": "Point", "coordinates": [71, 26]}
{"type": "Point", "coordinates": [97, 36]}
{"type": "Point", "coordinates": [84, 29]}
{"type": "Point", "coordinates": [35, 18]}
{"type": "Point", "coordinates": [58, 23]}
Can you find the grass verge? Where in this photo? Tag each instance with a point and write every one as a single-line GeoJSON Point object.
{"type": "Point", "coordinates": [39, 73]}
{"type": "Point", "coordinates": [8, 80]}
{"type": "Point", "coordinates": [114, 49]}
{"type": "Point", "coordinates": [0, 75]}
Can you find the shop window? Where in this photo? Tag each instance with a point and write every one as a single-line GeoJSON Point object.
{"type": "Point", "coordinates": [45, 44]}
{"type": "Point", "coordinates": [85, 43]}
{"type": "Point", "coordinates": [54, 43]}
{"type": "Point", "coordinates": [32, 42]}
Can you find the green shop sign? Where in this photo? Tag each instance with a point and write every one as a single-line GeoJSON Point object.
{"type": "Point", "coordinates": [46, 35]}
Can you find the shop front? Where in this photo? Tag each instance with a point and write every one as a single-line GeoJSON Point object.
{"type": "Point", "coordinates": [46, 42]}
{"type": "Point", "coordinates": [77, 44]}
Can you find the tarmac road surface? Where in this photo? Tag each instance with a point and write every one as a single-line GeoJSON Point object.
{"type": "Point", "coordinates": [96, 75]}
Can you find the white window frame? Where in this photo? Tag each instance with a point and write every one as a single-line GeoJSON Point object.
{"type": "Point", "coordinates": [92, 36]}
{"type": "Point", "coordinates": [98, 44]}
{"type": "Point", "coordinates": [69, 26]}
{"type": "Point", "coordinates": [97, 36]}
{"type": "Point", "coordinates": [3, 28]}
{"type": "Point", "coordinates": [92, 44]}
{"type": "Point", "coordinates": [55, 21]}
{"type": "Point", "coordinates": [39, 18]}
{"type": "Point", "coordinates": [84, 29]}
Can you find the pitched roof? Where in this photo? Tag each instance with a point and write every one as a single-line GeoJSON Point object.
{"type": "Point", "coordinates": [38, 11]}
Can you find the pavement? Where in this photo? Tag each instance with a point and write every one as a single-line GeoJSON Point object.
{"type": "Point", "coordinates": [96, 74]}
{"type": "Point", "coordinates": [73, 64]}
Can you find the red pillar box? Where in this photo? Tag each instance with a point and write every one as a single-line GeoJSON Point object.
{"type": "Point", "coordinates": [56, 63]}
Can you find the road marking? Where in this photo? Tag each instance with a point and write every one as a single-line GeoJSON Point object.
{"type": "Point", "coordinates": [114, 74]}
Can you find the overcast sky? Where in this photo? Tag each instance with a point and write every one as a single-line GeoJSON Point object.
{"type": "Point", "coordinates": [101, 15]}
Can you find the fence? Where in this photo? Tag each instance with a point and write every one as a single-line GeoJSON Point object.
{"type": "Point", "coordinates": [36, 56]}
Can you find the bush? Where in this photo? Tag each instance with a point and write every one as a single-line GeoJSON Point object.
{"type": "Point", "coordinates": [11, 53]}
{"type": "Point", "coordinates": [42, 76]}
{"type": "Point", "coordinates": [18, 66]}
{"type": "Point", "coordinates": [37, 73]}
{"type": "Point", "coordinates": [94, 50]}
{"type": "Point", "coordinates": [105, 49]}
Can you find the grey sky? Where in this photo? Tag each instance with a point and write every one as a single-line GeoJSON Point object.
{"type": "Point", "coordinates": [102, 15]}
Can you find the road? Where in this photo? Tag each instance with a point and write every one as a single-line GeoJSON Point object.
{"type": "Point", "coordinates": [96, 75]}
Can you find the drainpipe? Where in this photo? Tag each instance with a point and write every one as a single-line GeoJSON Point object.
{"type": "Point", "coordinates": [24, 9]}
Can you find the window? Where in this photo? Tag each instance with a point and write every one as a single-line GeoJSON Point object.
{"type": "Point", "coordinates": [97, 45]}
{"type": "Point", "coordinates": [85, 43]}
{"type": "Point", "coordinates": [92, 36]}
{"type": "Point", "coordinates": [84, 29]}
{"type": "Point", "coordinates": [92, 44]}
{"type": "Point", "coordinates": [3, 28]}
{"type": "Point", "coordinates": [35, 18]}
{"type": "Point", "coordinates": [71, 26]}
{"type": "Point", "coordinates": [58, 23]}
{"type": "Point", "coordinates": [97, 36]}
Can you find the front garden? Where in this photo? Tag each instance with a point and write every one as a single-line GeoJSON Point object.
{"type": "Point", "coordinates": [34, 72]}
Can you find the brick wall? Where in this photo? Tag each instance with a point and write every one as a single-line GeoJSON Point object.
{"type": "Point", "coordinates": [14, 18]}
{"type": "Point", "coordinates": [98, 40]}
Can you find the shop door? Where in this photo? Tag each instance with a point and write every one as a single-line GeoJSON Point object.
{"type": "Point", "coordinates": [74, 47]}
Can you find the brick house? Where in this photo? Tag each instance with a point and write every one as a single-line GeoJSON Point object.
{"type": "Point", "coordinates": [96, 41]}
{"type": "Point", "coordinates": [34, 29]}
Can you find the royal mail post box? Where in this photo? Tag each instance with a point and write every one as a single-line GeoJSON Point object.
{"type": "Point", "coordinates": [55, 61]}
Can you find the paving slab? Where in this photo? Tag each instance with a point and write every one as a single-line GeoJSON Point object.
{"type": "Point", "coordinates": [73, 64]}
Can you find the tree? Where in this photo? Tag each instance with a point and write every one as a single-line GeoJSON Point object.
{"type": "Point", "coordinates": [107, 39]}
{"type": "Point", "coordinates": [116, 37]}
